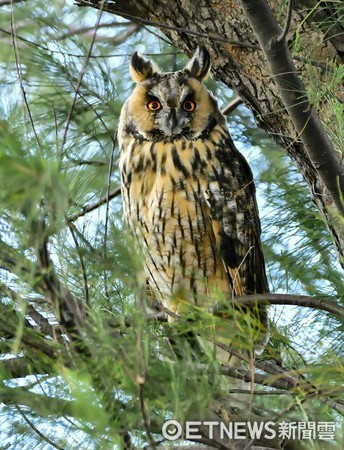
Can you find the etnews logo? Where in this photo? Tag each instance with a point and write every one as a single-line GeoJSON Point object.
{"type": "Point", "coordinates": [173, 430]}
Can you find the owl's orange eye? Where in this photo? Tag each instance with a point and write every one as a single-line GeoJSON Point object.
{"type": "Point", "coordinates": [154, 105]}
{"type": "Point", "coordinates": [189, 106]}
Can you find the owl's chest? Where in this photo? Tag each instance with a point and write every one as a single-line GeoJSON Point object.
{"type": "Point", "coordinates": [164, 186]}
{"type": "Point", "coordinates": [164, 192]}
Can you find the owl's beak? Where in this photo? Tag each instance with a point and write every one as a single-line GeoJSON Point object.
{"type": "Point", "coordinates": [171, 124]}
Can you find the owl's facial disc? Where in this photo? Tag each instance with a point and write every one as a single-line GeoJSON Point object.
{"type": "Point", "coordinates": [172, 109]}
{"type": "Point", "coordinates": [172, 106]}
{"type": "Point", "coordinates": [171, 121]}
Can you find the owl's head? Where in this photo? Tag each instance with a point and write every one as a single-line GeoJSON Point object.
{"type": "Point", "coordinates": [173, 105]}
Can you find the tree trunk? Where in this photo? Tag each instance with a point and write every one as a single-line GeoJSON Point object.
{"type": "Point", "coordinates": [238, 60]}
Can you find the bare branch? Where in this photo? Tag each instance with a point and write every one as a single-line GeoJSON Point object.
{"type": "Point", "coordinates": [106, 226]}
{"type": "Point", "coordinates": [81, 76]}
{"type": "Point", "coordinates": [36, 430]}
{"type": "Point", "coordinates": [285, 31]}
{"type": "Point", "coordinates": [9, 2]}
{"type": "Point", "coordinates": [323, 303]}
{"type": "Point", "coordinates": [82, 264]}
{"type": "Point", "coordinates": [120, 37]}
{"type": "Point", "coordinates": [69, 309]}
{"type": "Point", "coordinates": [231, 106]}
{"type": "Point", "coordinates": [318, 146]}
{"type": "Point", "coordinates": [97, 255]}
{"type": "Point", "coordinates": [257, 378]}
{"type": "Point", "coordinates": [41, 322]}
{"type": "Point", "coordinates": [320, 303]}
{"type": "Point", "coordinates": [41, 404]}
{"type": "Point", "coordinates": [20, 79]}
{"type": "Point", "coordinates": [112, 8]}
{"type": "Point", "coordinates": [145, 417]}
{"type": "Point", "coordinates": [109, 196]}
{"type": "Point", "coordinates": [73, 31]}
{"type": "Point", "coordinates": [87, 162]}
{"type": "Point", "coordinates": [21, 367]}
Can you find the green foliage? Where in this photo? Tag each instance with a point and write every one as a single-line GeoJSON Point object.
{"type": "Point", "coordinates": [129, 371]}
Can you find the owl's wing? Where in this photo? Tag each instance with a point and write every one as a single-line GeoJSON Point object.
{"type": "Point", "coordinates": [235, 221]}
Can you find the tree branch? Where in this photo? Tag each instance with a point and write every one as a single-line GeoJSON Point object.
{"type": "Point", "coordinates": [73, 31]}
{"type": "Point", "coordinates": [231, 106]}
{"type": "Point", "coordinates": [41, 404]}
{"type": "Point", "coordinates": [318, 146]}
{"type": "Point", "coordinates": [81, 76]}
{"type": "Point", "coordinates": [36, 430]}
{"type": "Point", "coordinates": [322, 303]}
{"type": "Point", "coordinates": [21, 367]}
{"type": "Point", "coordinates": [69, 309]}
{"type": "Point", "coordinates": [9, 2]}
{"type": "Point", "coordinates": [86, 209]}
{"type": "Point", "coordinates": [112, 9]}
{"type": "Point", "coordinates": [285, 31]}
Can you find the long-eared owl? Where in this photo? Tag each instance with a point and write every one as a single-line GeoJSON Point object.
{"type": "Point", "coordinates": [188, 194]}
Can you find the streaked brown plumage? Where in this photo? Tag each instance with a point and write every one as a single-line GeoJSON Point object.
{"type": "Point", "coordinates": [188, 193]}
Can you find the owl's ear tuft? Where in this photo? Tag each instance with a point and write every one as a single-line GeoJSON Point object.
{"type": "Point", "coordinates": [142, 68]}
{"type": "Point", "coordinates": [199, 64]}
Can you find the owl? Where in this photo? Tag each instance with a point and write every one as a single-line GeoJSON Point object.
{"type": "Point", "coordinates": [188, 194]}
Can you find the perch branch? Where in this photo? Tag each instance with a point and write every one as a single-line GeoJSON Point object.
{"type": "Point", "coordinates": [323, 304]}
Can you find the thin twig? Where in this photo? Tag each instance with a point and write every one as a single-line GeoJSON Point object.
{"type": "Point", "coordinates": [120, 37]}
{"type": "Point", "coordinates": [287, 22]}
{"type": "Point", "coordinates": [82, 264]}
{"type": "Point", "coordinates": [272, 392]}
{"type": "Point", "coordinates": [307, 60]}
{"type": "Point", "coordinates": [170, 27]}
{"type": "Point", "coordinates": [111, 134]}
{"type": "Point", "coordinates": [324, 67]}
{"type": "Point", "coordinates": [87, 162]}
{"type": "Point", "coordinates": [36, 430]}
{"type": "Point", "coordinates": [159, 36]}
{"type": "Point", "coordinates": [20, 78]}
{"type": "Point", "coordinates": [75, 31]}
{"type": "Point", "coordinates": [82, 73]}
{"type": "Point", "coordinates": [86, 209]}
{"type": "Point", "coordinates": [145, 418]}
{"type": "Point", "coordinates": [97, 255]}
{"type": "Point", "coordinates": [70, 309]}
{"type": "Point", "coordinates": [106, 226]}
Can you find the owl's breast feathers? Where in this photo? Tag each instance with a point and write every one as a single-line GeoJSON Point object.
{"type": "Point", "coordinates": [191, 205]}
